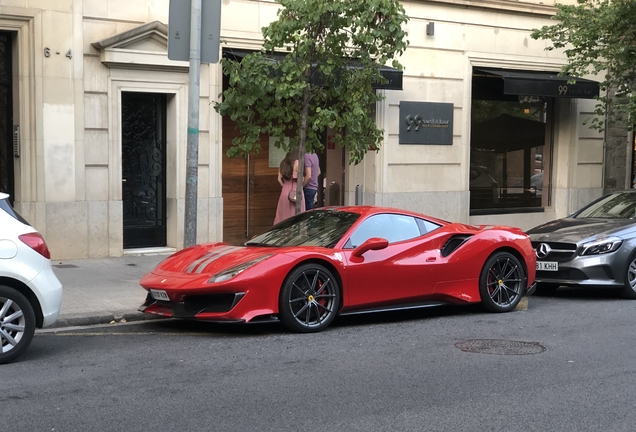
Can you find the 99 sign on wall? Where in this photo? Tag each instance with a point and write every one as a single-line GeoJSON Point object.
{"type": "Point", "coordinates": [426, 123]}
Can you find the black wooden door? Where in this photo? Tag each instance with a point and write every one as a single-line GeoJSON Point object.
{"type": "Point", "coordinates": [6, 117]}
{"type": "Point", "coordinates": [143, 169]}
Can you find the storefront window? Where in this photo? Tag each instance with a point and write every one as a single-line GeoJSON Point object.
{"type": "Point", "coordinates": [510, 151]}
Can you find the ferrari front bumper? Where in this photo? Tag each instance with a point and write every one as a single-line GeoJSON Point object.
{"type": "Point", "coordinates": [209, 307]}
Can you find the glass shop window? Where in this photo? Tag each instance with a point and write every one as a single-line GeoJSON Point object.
{"type": "Point", "coordinates": [510, 150]}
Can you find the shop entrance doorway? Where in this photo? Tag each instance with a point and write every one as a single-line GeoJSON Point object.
{"type": "Point", "coordinates": [251, 189]}
{"type": "Point", "coordinates": [332, 180]}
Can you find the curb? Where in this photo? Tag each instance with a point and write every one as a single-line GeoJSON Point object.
{"type": "Point", "coordinates": [79, 320]}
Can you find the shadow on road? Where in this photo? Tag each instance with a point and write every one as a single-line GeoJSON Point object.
{"type": "Point", "coordinates": [586, 294]}
{"type": "Point", "coordinates": [263, 329]}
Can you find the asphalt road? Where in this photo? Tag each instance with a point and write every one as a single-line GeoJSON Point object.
{"type": "Point", "coordinates": [382, 372]}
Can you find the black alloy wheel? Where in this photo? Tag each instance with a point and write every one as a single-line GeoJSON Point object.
{"type": "Point", "coordinates": [309, 299]}
{"type": "Point", "coordinates": [17, 324]}
{"type": "Point", "coordinates": [501, 282]}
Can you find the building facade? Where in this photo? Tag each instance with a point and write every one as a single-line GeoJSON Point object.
{"type": "Point", "coordinates": [94, 118]}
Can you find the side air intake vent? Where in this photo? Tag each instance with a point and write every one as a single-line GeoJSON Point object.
{"type": "Point", "coordinates": [453, 243]}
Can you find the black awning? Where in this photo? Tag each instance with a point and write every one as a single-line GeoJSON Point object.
{"type": "Point", "coordinates": [547, 84]}
{"type": "Point", "coordinates": [392, 75]}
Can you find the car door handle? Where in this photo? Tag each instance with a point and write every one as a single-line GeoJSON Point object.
{"type": "Point", "coordinates": [431, 259]}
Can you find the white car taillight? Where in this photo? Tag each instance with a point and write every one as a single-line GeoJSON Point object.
{"type": "Point", "coordinates": [37, 243]}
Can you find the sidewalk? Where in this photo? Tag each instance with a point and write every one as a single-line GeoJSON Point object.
{"type": "Point", "coordinates": [99, 291]}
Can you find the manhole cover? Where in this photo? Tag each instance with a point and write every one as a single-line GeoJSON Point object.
{"type": "Point", "coordinates": [500, 347]}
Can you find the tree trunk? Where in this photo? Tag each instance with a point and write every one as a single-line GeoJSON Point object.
{"type": "Point", "coordinates": [301, 147]}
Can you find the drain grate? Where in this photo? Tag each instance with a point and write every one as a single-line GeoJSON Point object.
{"type": "Point", "coordinates": [64, 266]}
{"type": "Point", "coordinates": [500, 347]}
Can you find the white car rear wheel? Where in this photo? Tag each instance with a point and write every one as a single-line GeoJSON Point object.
{"type": "Point", "coordinates": [17, 324]}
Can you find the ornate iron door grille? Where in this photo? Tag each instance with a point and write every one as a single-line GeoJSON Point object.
{"type": "Point", "coordinates": [143, 169]}
{"type": "Point", "coordinates": [6, 117]}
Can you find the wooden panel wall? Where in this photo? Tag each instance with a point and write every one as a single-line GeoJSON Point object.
{"type": "Point", "coordinates": [264, 190]}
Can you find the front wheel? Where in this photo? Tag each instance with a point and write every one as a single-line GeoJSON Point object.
{"type": "Point", "coordinates": [17, 324]}
{"type": "Point", "coordinates": [629, 290]}
{"type": "Point", "coordinates": [501, 282]}
{"type": "Point", "coordinates": [309, 299]}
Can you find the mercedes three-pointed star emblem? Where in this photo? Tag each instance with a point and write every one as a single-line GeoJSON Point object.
{"type": "Point", "coordinates": [543, 250]}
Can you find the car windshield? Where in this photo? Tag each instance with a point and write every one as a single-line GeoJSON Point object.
{"type": "Point", "coordinates": [621, 205]}
{"type": "Point", "coordinates": [315, 228]}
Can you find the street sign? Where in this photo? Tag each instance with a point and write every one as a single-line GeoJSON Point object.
{"type": "Point", "coordinates": [179, 30]}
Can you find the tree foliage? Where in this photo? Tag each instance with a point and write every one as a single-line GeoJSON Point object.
{"type": "Point", "coordinates": [333, 51]}
{"type": "Point", "coordinates": [599, 38]}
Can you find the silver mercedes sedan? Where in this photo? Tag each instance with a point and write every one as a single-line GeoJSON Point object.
{"type": "Point", "coordinates": [595, 246]}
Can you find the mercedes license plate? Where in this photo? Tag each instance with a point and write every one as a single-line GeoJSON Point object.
{"type": "Point", "coordinates": [159, 295]}
{"type": "Point", "coordinates": [547, 266]}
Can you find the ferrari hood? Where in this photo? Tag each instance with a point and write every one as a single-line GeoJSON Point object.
{"type": "Point", "coordinates": [211, 258]}
{"type": "Point", "coordinates": [574, 230]}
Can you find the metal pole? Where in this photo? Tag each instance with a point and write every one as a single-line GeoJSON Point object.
{"type": "Point", "coordinates": [192, 167]}
{"type": "Point", "coordinates": [247, 207]}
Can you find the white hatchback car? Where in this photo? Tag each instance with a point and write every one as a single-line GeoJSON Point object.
{"type": "Point", "coordinates": [30, 293]}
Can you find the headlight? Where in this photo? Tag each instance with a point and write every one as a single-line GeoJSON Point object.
{"type": "Point", "coordinates": [237, 269]}
{"type": "Point", "coordinates": [606, 245]}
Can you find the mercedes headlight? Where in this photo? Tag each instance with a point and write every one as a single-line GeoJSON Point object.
{"type": "Point", "coordinates": [236, 270]}
{"type": "Point", "coordinates": [602, 246]}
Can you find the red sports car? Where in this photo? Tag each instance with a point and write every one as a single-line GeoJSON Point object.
{"type": "Point", "coordinates": [344, 260]}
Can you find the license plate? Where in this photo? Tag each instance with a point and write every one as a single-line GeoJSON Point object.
{"type": "Point", "coordinates": [547, 266]}
{"type": "Point", "coordinates": [159, 295]}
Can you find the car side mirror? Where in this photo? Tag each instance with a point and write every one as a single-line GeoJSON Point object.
{"type": "Point", "coordinates": [374, 243]}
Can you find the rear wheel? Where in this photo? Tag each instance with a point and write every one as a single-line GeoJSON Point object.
{"type": "Point", "coordinates": [629, 290]}
{"type": "Point", "coordinates": [309, 299]}
{"type": "Point", "coordinates": [501, 282]}
{"type": "Point", "coordinates": [17, 324]}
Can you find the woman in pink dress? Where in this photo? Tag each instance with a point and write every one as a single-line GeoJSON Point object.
{"type": "Point", "coordinates": [287, 177]}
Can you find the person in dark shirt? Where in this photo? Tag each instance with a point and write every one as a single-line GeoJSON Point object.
{"type": "Point", "coordinates": [310, 179]}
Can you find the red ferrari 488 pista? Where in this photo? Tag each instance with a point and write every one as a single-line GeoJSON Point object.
{"type": "Point", "coordinates": [336, 261]}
